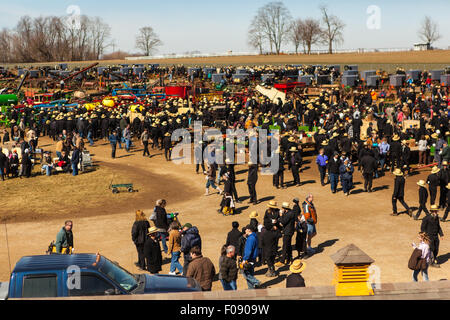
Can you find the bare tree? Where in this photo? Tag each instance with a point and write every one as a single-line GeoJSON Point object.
{"type": "Point", "coordinates": [256, 38]}
{"type": "Point", "coordinates": [274, 21]}
{"type": "Point", "coordinates": [296, 34]}
{"type": "Point", "coordinates": [147, 40]}
{"type": "Point", "coordinates": [100, 32]}
{"type": "Point", "coordinates": [312, 33]}
{"type": "Point", "coordinates": [333, 29]}
{"type": "Point", "coordinates": [428, 31]}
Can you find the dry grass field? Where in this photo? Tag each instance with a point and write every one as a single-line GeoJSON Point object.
{"type": "Point", "coordinates": [386, 60]}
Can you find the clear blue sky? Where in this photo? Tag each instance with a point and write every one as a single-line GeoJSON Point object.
{"type": "Point", "coordinates": [218, 26]}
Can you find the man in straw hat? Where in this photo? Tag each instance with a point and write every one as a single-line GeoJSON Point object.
{"type": "Point", "coordinates": [433, 183]}
{"type": "Point", "coordinates": [430, 225]}
{"type": "Point", "coordinates": [295, 279]}
{"type": "Point", "coordinates": [295, 162]}
{"type": "Point", "coordinates": [152, 251]}
{"type": "Point", "coordinates": [399, 193]}
{"type": "Point", "coordinates": [270, 248]}
{"type": "Point", "coordinates": [287, 220]}
{"type": "Point", "coordinates": [423, 197]}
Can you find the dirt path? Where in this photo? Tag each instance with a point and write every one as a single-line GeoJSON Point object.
{"type": "Point", "coordinates": [362, 219]}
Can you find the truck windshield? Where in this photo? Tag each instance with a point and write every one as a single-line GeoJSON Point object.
{"type": "Point", "coordinates": [125, 279]}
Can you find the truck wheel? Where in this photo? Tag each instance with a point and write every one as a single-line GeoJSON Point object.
{"type": "Point", "coordinates": [130, 189]}
{"type": "Point", "coordinates": [115, 190]}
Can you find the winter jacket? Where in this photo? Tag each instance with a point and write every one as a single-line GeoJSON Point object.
{"type": "Point", "coordinates": [160, 219]}
{"type": "Point", "coordinates": [233, 238]}
{"type": "Point", "coordinates": [431, 226]}
{"type": "Point", "coordinates": [202, 270]}
{"type": "Point", "coordinates": [251, 248]}
{"type": "Point", "coordinates": [228, 269]}
{"type": "Point", "coordinates": [191, 238]}
{"type": "Point", "coordinates": [288, 222]}
{"type": "Point", "coordinates": [64, 239]}
{"type": "Point", "coordinates": [139, 231]}
{"type": "Point", "coordinates": [174, 241]}
{"type": "Point", "coordinates": [152, 254]}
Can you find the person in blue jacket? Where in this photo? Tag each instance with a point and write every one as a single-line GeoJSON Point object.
{"type": "Point", "coordinates": [113, 141]}
{"type": "Point", "coordinates": [249, 258]}
{"type": "Point", "coordinates": [346, 171]}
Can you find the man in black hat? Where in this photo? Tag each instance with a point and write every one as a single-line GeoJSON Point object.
{"type": "Point", "coordinates": [333, 170]}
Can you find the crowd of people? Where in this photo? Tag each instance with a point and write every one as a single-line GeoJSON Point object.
{"type": "Point", "coordinates": [352, 131]}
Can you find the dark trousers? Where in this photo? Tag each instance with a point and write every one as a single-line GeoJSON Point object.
{"type": "Point", "coordinates": [270, 260]}
{"type": "Point", "coordinates": [141, 256]}
{"type": "Point", "coordinates": [433, 194]}
{"type": "Point", "coordinates": [286, 253]}
{"type": "Point", "coordinates": [197, 166]}
{"type": "Point", "coordinates": [146, 152]}
{"type": "Point", "coordinates": [434, 245]}
{"type": "Point", "coordinates": [346, 185]}
{"type": "Point", "coordinates": [252, 192]}
{"type": "Point", "coordinates": [442, 196]}
{"type": "Point", "coordinates": [113, 150]}
{"type": "Point", "coordinates": [295, 174]}
{"type": "Point", "coordinates": [278, 179]}
{"type": "Point", "coordinates": [300, 242]}
{"type": "Point", "coordinates": [234, 191]}
{"type": "Point", "coordinates": [422, 206]}
{"type": "Point", "coordinates": [323, 173]}
{"type": "Point", "coordinates": [394, 204]}
{"type": "Point", "coordinates": [446, 213]}
{"type": "Point", "coordinates": [167, 154]}
{"type": "Point", "coordinates": [368, 178]}
{"type": "Point", "coordinates": [185, 265]}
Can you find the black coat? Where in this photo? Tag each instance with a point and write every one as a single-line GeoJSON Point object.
{"type": "Point", "coordinates": [252, 174]}
{"type": "Point", "coordinates": [369, 164]}
{"type": "Point", "coordinates": [399, 187]}
{"type": "Point", "coordinates": [269, 216]}
{"type": "Point", "coordinates": [433, 180]}
{"type": "Point", "coordinates": [333, 166]}
{"type": "Point", "coordinates": [161, 218]}
{"type": "Point", "coordinates": [233, 238]}
{"type": "Point", "coordinates": [153, 257]}
{"type": "Point", "coordinates": [288, 222]}
{"type": "Point", "coordinates": [139, 232]}
{"type": "Point", "coordinates": [423, 195]}
{"type": "Point", "coordinates": [270, 243]}
{"type": "Point", "coordinates": [295, 280]}
{"type": "Point", "coordinates": [431, 226]}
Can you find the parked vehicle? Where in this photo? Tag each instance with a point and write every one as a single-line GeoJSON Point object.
{"type": "Point", "coordinates": [60, 275]}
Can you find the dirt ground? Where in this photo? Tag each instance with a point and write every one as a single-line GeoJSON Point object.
{"type": "Point", "coordinates": [102, 221]}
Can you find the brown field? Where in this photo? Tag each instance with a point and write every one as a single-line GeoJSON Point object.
{"type": "Point", "coordinates": [388, 61]}
{"type": "Point", "coordinates": [37, 208]}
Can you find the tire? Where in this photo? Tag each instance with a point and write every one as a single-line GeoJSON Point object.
{"type": "Point", "coordinates": [130, 189]}
{"type": "Point", "coordinates": [115, 190]}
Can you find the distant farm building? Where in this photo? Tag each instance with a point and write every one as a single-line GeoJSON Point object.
{"type": "Point", "coordinates": [422, 46]}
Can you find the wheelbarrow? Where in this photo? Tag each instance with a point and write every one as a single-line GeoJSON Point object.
{"type": "Point", "coordinates": [115, 187]}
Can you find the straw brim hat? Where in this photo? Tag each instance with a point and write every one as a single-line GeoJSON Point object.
{"type": "Point", "coordinates": [435, 170]}
{"type": "Point", "coordinates": [297, 266]}
{"type": "Point", "coordinates": [325, 143]}
{"type": "Point", "coordinates": [152, 230]}
{"type": "Point", "coordinates": [396, 138]}
{"type": "Point", "coordinates": [434, 207]}
{"type": "Point", "coordinates": [273, 204]}
{"type": "Point", "coordinates": [448, 186]}
{"type": "Point", "coordinates": [253, 214]}
{"type": "Point", "coordinates": [398, 172]}
{"type": "Point", "coordinates": [286, 205]}
{"type": "Point", "coordinates": [293, 149]}
{"type": "Point", "coordinates": [421, 183]}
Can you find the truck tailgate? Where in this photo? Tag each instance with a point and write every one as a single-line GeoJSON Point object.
{"type": "Point", "coordinates": [4, 289]}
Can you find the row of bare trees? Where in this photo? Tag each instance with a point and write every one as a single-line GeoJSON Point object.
{"type": "Point", "coordinates": [273, 26]}
{"type": "Point", "coordinates": [51, 38]}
